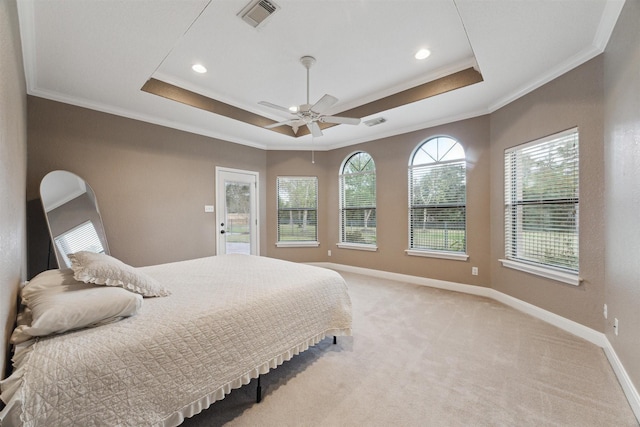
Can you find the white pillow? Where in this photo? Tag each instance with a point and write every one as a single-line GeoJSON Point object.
{"type": "Point", "coordinates": [101, 269]}
{"type": "Point", "coordinates": [57, 303]}
{"type": "Point", "coordinates": [49, 279]}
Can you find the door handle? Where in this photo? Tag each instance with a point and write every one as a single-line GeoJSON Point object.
{"type": "Point", "coordinates": [221, 231]}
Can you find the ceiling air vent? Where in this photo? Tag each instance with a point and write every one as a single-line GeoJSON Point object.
{"type": "Point", "coordinates": [376, 121]}
{"type": "Point", "coordinates": [256, 12]}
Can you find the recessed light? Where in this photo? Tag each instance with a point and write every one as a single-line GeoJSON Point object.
{"type": "Point", "coordinates": [199, 68]}
{"type": "Point", "coordinates": [422, 54]}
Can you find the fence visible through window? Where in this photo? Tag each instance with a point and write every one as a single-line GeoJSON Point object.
{"type": "Point", "coordinates": [437, 197]}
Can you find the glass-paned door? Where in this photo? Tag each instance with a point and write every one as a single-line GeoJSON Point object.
{"type": "Point", "coordinates": [236, 204]}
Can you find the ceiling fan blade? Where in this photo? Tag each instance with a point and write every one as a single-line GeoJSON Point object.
{"type": "Point", "coordinates": [315, 129]}
{"type": "Point", "coordinates": [277, 107]}
{"type": "Point", "coordinates": [286, 122]}
{"type": "Point", "coordinates": [296, 123]}
{"type": "Point", "coordinates": [324, 103]}
{"type": "Point", "coordinates": [340, 120]}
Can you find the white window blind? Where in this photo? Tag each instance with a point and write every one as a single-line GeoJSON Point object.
{"type": "Point", "coordinates": [81, 238]}
{"type": "Point", "coordinates": [297, 208]}
{"type": "Point", "coordinates": [358, 200]}
{"type": "Point", "coordinates": [542, 201]}
{"type": "Point", "coordinates": [437, 197]}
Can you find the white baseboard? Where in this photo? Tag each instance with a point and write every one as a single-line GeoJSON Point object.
{"type": "Point", "coordinates": [432, 283]}
{"type": "Point", "coordinates": [627, 385]}
{"type": "Point", "coordinates": [584, 332]}
{"type": "Point", "coordinates": [575, 328]}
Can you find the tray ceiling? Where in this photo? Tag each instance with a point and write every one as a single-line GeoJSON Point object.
{"type": "Point", "coordinates": [100, 55]}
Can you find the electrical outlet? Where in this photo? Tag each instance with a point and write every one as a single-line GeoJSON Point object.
{"type": "Point", "coordinates": [615, 326]}
{"type": "Point", "coordinates": [329, 252]}
{"type": "Point", "coordinates": [474, 271]}
{"type": "Point", "coordinates": [604, 312]}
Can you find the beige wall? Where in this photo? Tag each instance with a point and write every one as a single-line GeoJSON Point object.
{"type": "Point", "coordinates": [13, 164]}
{"type": "Point", "coordinates": [151, 182]}
{"type": "Point", "coordinates": [392, 156]}
{"type": "Point", "coordinates": [141, 172]}
{"type": "Point", "coordinates": [574, 99]}
{"type": "Point", "coordinates": [296, 163]}
{"type": "Point", "coordinates": [622, 184]}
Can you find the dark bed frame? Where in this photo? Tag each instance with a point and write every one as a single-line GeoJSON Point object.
{"type": "Point", "coordinates": [259, 387]}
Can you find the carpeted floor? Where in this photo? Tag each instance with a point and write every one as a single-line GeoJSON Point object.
{"type": "Point", "coordinates": [428, 357]}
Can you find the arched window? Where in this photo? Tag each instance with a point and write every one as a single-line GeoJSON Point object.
{"type": "Point", "coordinates": [437, 198]}
{"type": "Point", "coordinates": [358, 200]}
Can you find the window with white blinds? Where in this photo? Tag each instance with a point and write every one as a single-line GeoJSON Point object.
{"type": "Point", "coordinates": [541, 201]}
{"type": "Point", "coordinates": [81, 238]}
{"type": "Point", "coordinates": [297, 208]}
{"type": "Point", "coordinates": [358, 200]}
{"type": "Point", "coordinates": [437, 197]}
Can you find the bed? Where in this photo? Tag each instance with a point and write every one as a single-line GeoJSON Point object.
{"type": "Point", "coordinates": [228, 319]}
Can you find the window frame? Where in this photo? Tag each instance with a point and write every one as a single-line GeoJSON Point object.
{"type": "Point", "coordinates": [511, 203]}
{"type": "Point", "coordinates": [296, 243]}
{"type": "Point", "coordinates": [342, 243]}
{"type": "Point", "coordinates": [433, 252]}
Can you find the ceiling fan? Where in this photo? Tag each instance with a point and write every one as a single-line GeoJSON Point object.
{"type": "Point", "coordinates": [307, 114]}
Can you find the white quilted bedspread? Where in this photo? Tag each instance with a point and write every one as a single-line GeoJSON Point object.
{"type": "Point", "coordinates": [229, 318]}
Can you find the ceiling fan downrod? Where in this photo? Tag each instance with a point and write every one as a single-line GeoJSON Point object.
{"type": "Point", "coordinates": [307, 62]}
{"type": "Point", "coordinates": [307, 114]}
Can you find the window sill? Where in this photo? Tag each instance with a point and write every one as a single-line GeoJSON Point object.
{"type": "Point", "coordinates": [456, 256]}
{"type": "Point", "coordinates": [357, 246]}
{"type": "Point", "coordinates": [297, 244]}
{"type": "Point", "coordinates": [549, 273]}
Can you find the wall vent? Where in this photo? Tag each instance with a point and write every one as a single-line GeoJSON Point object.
{"type": "Point", "coordinates": [256, 12]}
{"type": "Point", "coordinates": [374, 122]}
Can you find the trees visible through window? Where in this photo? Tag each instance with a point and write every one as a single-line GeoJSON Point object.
{"type": "Point", "coordinates": [541, 201]}
{"type": "Point", "coordinates": [297, 209]}
{"type": "Point", "coordinates": [358, 200]}
{"type": "Point", "coordinates": [437, 197]}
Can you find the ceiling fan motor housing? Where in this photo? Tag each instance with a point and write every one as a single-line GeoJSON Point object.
{"type": "Point", "coordinates": [308, 114]}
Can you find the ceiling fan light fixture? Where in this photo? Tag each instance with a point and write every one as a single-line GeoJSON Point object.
{"type": "Point", "coordinates": [375, 122]}
{"type": "Point", "coordinates": [422, 54]}
{"type": "Point", "coordinates": [307, 114]}
{"type": "Point", "coordinates": [199, 68]}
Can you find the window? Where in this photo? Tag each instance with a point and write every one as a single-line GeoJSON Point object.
{"type": "Point", "coordinates": [541, 202]}
{"type": "Point", "coordinates": [437, 200]}
{"type": "Point", "coordinates": [358, 201]}
{"type": "Point", "coordinates": [81, 238]}
{"type": "Point", "coordinates": [297, 211]}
